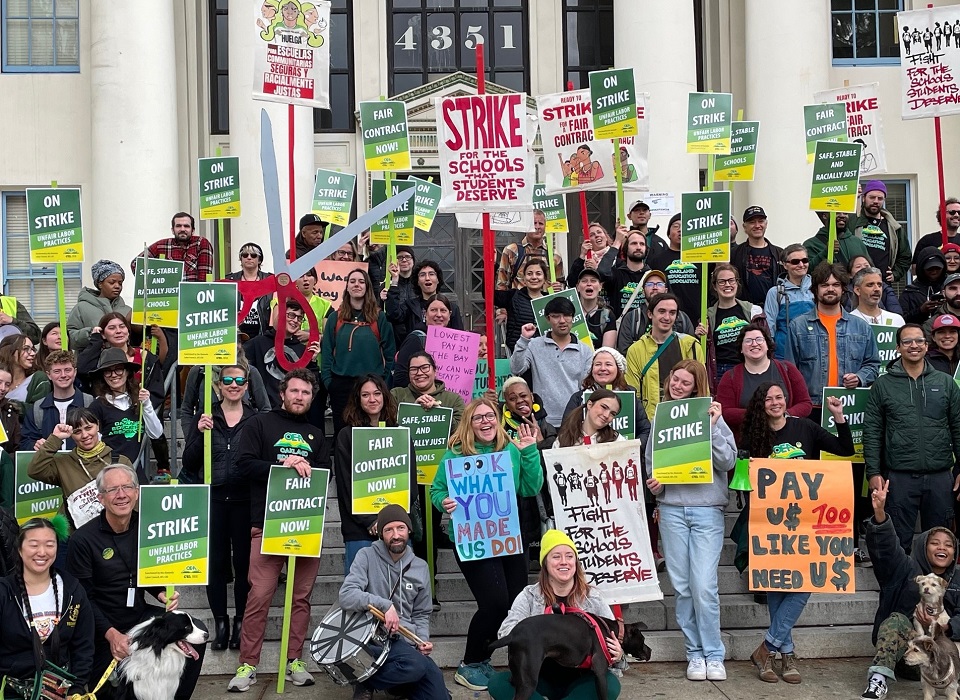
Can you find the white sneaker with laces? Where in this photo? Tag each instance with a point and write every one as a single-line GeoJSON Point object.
{"type": "Point", "coordinates": [876, 688]}
{"type": "Point", "coordinates": [697, 670]}
{"type": "Point", "coordinates": [716, 671]}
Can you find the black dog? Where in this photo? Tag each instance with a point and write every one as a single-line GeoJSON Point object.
{"type": "Point", "coordinates": [569, 640]}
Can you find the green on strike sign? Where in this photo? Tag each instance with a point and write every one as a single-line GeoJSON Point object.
{"type": "Point", "coordinates": [709, 122]}
{"type": "Point", "coordinates": [174, 532]}
{"type": "Point", "coordinates": [854, 402]}
{"type": "Point", "coordinates": [31, 498]}
{"type": "Point", "coordinates": [836, 172]}
{"type": "Point", "coordinates": [219, 187]}
{"type": "Point", "coordinates": [157, 293]}
{"type": "Point", "coordinates": [826, 122]}
{"type": "Point", "coordinates": [553, 207]}
{"type": "Point", "coordinates": [613, 98]}
{"type": "Point", "coordinates": [426, 202]}
{"type": "Point", "coordinates": [333, 196]}
{"type": "Point", "coordinates": [886, 337]}
{"type": "Point", "coordinates": [402, 215]}
{"type": "Point", "coordinates": [386, 144]}
{"type": "Point", "coordinates": [380, 468]}
{"type": "Point", "coordinates": [54, 225]}
{"type": "Point", "coordinates": [705, 227]}
{"type": "Point", "coordinates": [682, 442]}
{"type": "Point", "coordinates": [580, 328]}
{"type": "Point", "coordinates": [739, 166]}
{"type": "Point", "coordinates": [430, 431]}
{"type": "Point", "coordinates": [626, 421]}
{"type": "Point", "coordinates": [293, 522]}
{"type": "Point", "coordinates": [208, 323]}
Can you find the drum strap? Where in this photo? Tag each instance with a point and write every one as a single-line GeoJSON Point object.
{"type": "Point", "coordinates": [399, 579]}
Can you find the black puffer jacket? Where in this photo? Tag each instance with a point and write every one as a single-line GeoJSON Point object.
{"type": "Point", "coordinates": [923, 288]}
{"type": "Point", "coordinates": [9, 531]}
{"type": "Point", "coordinates": [225, 481]}
{"type": "Point", "coordinates": [896, 570]}
{"type": "Point", "coordinates": [519, 312]}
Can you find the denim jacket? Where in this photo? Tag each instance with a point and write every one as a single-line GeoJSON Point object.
{"type": "Point", "coordinates": [808, 345]}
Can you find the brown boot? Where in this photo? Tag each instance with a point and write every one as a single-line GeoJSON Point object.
{"type": "Point", "coordinates": [763, 660]}
{"type": "Point", "coordinates": [789, 671]}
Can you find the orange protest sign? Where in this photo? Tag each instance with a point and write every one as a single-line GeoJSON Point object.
{"type": "Point", "coordinates": [801, 526]}
{"type": "Point", "coordinates": [332, 279]}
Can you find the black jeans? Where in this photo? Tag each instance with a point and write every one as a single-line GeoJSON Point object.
{"type": "Point", "coordinates": [339, 392]}
{"type": "Point", "coordinates": [229, 555]}
{"type": "Point", "coordinates": [495, 583]}
{"type": "Point", "coordinates": [930, 495]}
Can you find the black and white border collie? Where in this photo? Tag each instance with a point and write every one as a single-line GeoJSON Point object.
{"type": "Point", "coordinates": [159, 649]}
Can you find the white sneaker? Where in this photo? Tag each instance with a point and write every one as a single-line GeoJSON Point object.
{"type": "Point", "coordinates": [876, 688]}
{"type": "Point", "coordinates": [716, 671]}
{"type": "Point", "coordinates": [246, 677]}
{"type": "Point", "coordinates": [697, 670]}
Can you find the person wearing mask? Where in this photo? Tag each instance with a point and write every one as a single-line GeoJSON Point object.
{"type": "Point", "coordinates": [229, 545]}
{"type": "Point", "coordinates": [400, 288]}
{"type": "Point", "coordinates": [439, 308]}
{"type": "Point", "coordinates": [638, 320]}
{"type": "Point", "coordinates": [683, 278]}
{"type": "Point", "coordinates": [868, 288]}
{"type": "Point", "coordinates": [29, 384]}
{"type": "Point", "coordinates": [887, 300]}
{"type": "Point", "coordinates": [757, 260]}
{"type": "Point", "coordinates": [885, 239]}
{"type": "Point", "coordinates": [846, 246]}
{"type": "Point", "coordinates": [623, 286]}
{"type": "Point", "coordinates": [758, 366]}
{"type": "Point", "coordinates": [518, 302]}
{"type": "Point", "coordinates": [599, 318]}
{"type": "Point", "coordinates": [943, 354]}
{"type": "Point", "coordinates": [725, 320]}
{"type": "Point", "coordinates": [251, 270]}
{"type": "Point", "coordinates": [691, 526]}
{"type": "Point", "coordinates": [790, 298]}
{"type": "Point", "coordinates": [41, 418]}
{"type": "Point", "coordinates": [411, 312]}
{"type": "Point", "coordinates": [495, 582]}
{"type": "Point", "coordinates": [94, 303]}
{"type": "Point", "coordinates": [923, 297]}
{"type": "Point", "coordinates": [934, 239]}
{"type": "Point", "coordinates": [767, 429]}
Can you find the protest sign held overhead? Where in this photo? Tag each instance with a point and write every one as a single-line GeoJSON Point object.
{"type": "Point", "coordinates": [484, 162]}
{"type": "Point", "coordinates": [380, 469]}
{"type": "Point", "coordinates": [430, 431]}
{"type": "Point", "coordinates": [293, 524]}
{"type": "Point", "coordinates": [174, 533]}
{"type": "Point", "coordinates": [163, 278]}
{"type": "Point", "coordinates": [597, 495]}
{"type": "Point", "coordinates": [426, 201]}
{"type": "Point", "coordinates": [553, 207]}
{"type": "Point", "coordinates": [54, 225]}
{"type": "Point", "coordinates": [826, 122]}
{"type": "Point", "coordinates": [333, 196]}
{"type": "Point", "coordinates": [291, 53]}
{"type": "Point", "coordinates": [683, 442]}
{"type": "Point", "coordinates": [455, 353]}
{"type": "Point", "coordinates": [739, 165]}
{"type": "Point", "coordinates": [402, 215]}
{"type": "Point", "coordinates": [613, 96]}
{"type": "Point", "coordinates": [836, 174]}
{"type": "Point", "coordinates": [709, 122]}
{"type": "Point", "coordinates": [207, 323]}
{"type": "Point", "coordinates": [485, 522]}
{"type": "Point", "coordinates": [801, 526]}
{"type": "Point", "coordinates": [383, 127]}
{"type": "Point", "coordinates": [219, 180]}
{"type": "Point", "coordinates": [705, 236]}
{"type": "Point", "coordinates": [32, 498]}
{"type": "Point", "coordinates": [929, 66]}
{"type": "Point", "coordinates": [864, 125]}
{"type": "Point", "coordinates": [854, 402]}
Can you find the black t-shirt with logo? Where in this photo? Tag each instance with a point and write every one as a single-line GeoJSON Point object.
{"type": "Point", "coordinates": [876, 237]}
{"type": "Point", "coordinates": [761, 268]}
{"type": "Point", "coordinates": [729, 324]}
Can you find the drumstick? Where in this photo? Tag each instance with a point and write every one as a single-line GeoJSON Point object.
{"type": "Point", "coordinates": [403, 630]}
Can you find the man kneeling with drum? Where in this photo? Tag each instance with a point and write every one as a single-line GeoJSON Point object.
{"type": "Point", "coordinates": [388, 576]}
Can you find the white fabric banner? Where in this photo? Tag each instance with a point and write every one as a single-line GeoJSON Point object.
{"type": "Point", "coordinates": [291, 59]}
{"type": "Point", "coordinates": [574, 161]}
{"type": "Point", "coordinates": [597, 494]}
{"type": "Point", "coordinates": [930, 61]}
{"type": "Point", "coordinates": [863, 123]}
{"type": "Point", "coordinates": [485, 165]}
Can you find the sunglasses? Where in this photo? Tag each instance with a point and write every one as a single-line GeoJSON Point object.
{"type": "Point", "coordinates": [799, 261]}
{"type": "Point", "coordinates": [227, 381]}
{"type": "Point", "coordinates": [250, 255]}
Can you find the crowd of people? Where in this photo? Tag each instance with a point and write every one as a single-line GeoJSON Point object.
{"type": "Point", "coordinates": [781, 325]}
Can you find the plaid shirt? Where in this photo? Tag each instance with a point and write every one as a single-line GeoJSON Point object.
{"type": "Point", "coordinates": [509, 258]}
{"type": "Point", "coordinates": [197, 256]}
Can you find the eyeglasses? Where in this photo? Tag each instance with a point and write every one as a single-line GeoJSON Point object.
{"type": "Point", "coordinates": [404, 258]}
{"type": "Point", "coordinates": [249, 255]}
{"type": "Point", "coordinates": [484, 418]}
{"type": "Point", "coordinates": [116, 369]}
{"type": "Point", "coordinates": [114, 490]}
{"type": "Point", "coordinates": [906, 342]}
{"type": "Point", "coordinates": [29, 348]}
{"type": "Point", "coordinates": [343, 255]}
{"type": "Point", "coordinates": [732, 282]}
{"type": "Point", "coordinates": [420, 369]}
{"type": "Point", "coordinates": [799, 261]}
{"type": "Point", "coordinates": [655, 285]}
{"type": "Point", "coordinates": [294, 316]}
{"type": "Point", "coordinates": [227, 381]}
{"type": "Point", "coordinates": [754, 341]}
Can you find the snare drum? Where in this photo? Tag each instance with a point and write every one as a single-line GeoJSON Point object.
{"type": "Point", "coordinates": [349, 646]}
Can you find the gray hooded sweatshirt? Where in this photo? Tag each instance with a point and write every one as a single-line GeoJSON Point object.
{"type": "Point", "coordinates": [375, 579]}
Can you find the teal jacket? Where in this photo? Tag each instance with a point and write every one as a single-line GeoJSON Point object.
{"type": "Point", "coordinates": [354, 349]}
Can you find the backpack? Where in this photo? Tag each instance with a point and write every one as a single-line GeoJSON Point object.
{"type": "Point", "coordinates": [373, 326]}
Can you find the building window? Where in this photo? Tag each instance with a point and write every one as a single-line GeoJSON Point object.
{"type": "Point", "coordinates": [41, 36]}
{"type": "Point", "coordinates": [588, 39]}
{"type": "Point", "coordinates": [340, 115]}
{"type": "Point", "coordinates": [865, 31]}
{"type": "Point", "coordinates": [430, 38]}
{"type": "Point", "coordinates": [34, 286]}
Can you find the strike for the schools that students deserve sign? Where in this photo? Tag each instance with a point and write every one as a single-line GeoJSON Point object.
{"type": "Point", "coordinates": [207, 323]}
{"type": "Point", "coordinates": [484, 162]}
{"type": "Point", "coordinates": [426, 202]}
{"type": "Point", "coordinates": [402, 215]}
{"type": "Point", "coordinates": [455, 353]}
{"type": "Point", "coordinates": [293, 522]}
{"type": "Point", "coordinates": [864, 124]}
{"type": "Point", "coordinates": [683, 442]}
{"type": "Point", "coordinates": [826, 122]}
{"type": "Point", "coordinates": [613, 95]}
{"type": "Point", "coordinates": [485, 522]}
{"type": "Point", "coordinates": [709, 122]}
{"type": "Point", "coordinates": [174, 535]}
{"type": "Point", "coordinates": [383, 128]}
{"type": "Point", "coordinates": [32, 498]}
{"type": "Point", "coordinates": [575, 159]}
{"type": "Point", "coordinates": [554, 209]}
{"type": "Point", "coordinates": [430, 431]}
{"type": "Point", "coordinates": [929, 62]}
{"type": "Point", "coordinates": [626, 421]}
{"type": "Point", "coordinates": [380, 466]}
{"type": "Point", "coordinates": [739, 166]}
{"type": "Point", "coordinates": [219, 180]}
{"type": "Point", "coordinates": [162, 284]}
{"type": "Point", "coordinates": [854, 403]}
{"type": "Point", "coordinates": [333, 196]}
{"type": "Point", "coordinates": [801, 529]}
{"type": "Point", "coordinates": [705, 222]}
{"type": "Point", "coordinates": [836, 174]}
{"type": "Point", "coordinates": [291, 53]}
{"type": "Point", "coordinates": [54, 225]}
{"type": "Point", "coordinates": [597, 495]}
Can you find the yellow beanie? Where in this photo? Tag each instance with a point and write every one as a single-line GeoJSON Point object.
{"type": "Point", "coordinates": [552, 538]}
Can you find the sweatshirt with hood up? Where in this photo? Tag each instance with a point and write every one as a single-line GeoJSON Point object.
{"type": "Point", "coordinates": [376, 579]}
{"type": "Point", "coordinates": [923, 287]}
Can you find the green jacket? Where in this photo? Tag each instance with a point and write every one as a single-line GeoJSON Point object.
{"type": "Point", "coordinates": [851, 246]}
{"type": "Point", "coordinates": [900, 253]}
{"type": "Point", "coordinates": [447, 399]}
{"type": "Point", "coordinates": [912, 425]}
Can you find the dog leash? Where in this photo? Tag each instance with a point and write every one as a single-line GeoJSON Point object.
{"type": "Point", "coordinates": [92, 695]}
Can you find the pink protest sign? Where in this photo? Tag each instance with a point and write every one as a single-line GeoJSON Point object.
{"type": "Point", "coordinates": [455, 353]}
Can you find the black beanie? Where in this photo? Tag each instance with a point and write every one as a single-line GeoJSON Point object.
{"type": "Point", "coordinates": [391, 514]}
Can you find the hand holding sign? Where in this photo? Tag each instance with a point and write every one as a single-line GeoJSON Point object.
{"type": "Point", "coordinates": [299, 463]}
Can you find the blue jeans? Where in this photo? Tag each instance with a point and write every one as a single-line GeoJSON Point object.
{"type": "Point", "coordinates": [351, 547]}
{"type": "Point", "coordinates": [411, 673]}
{"type": "Point", "coordinates": [692, 540]}
{"type": "Point", "coordinates": [785, 610]}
